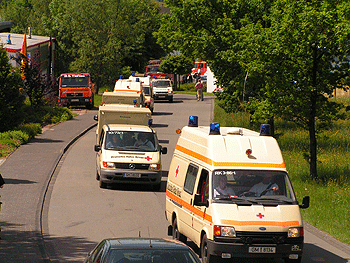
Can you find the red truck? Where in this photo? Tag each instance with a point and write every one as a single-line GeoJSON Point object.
{"type": "Point", "coordinates": [76, 89]}
{"type": "Point", "coordinates": [152, 70]}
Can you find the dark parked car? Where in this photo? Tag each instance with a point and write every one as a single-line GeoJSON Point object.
{"type": "Point", "coordinates": [141, 250]}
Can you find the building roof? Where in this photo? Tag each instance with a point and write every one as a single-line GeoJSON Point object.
{"type": "Point", "coordinates": [17, 41]}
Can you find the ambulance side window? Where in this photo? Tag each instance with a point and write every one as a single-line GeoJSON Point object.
{"type": "Point", "coordinates": [190, 180]}
{"type": "Point", "coordinates": [101, 137]}
{"type": "Point", "coordinates": [203, 186]}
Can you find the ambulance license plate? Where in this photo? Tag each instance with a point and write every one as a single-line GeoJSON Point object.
{"type": "Point", "coordinates": [134, 175]}
{"type": "Point", "coordinates": [74, 100]}
{"type": "Point", "coordinates": [262, 250]}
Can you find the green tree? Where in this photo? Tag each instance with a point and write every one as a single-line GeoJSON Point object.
{"type": "Point", "coordinates": [295, 54]}
{"type": "Point", "coordinates": [177, 65]}
{"type": "Point", "coordinates": [11, 97]}
{"type": "Point", "coordinates": [103, 37]}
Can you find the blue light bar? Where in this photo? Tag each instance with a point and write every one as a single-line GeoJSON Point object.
{"type": "Point", "coordinates": [121, 77]}
{"type": "Point", "coordinates": [214, 128]}
{"type": "Point", "coordinates": [137, 79]}
{"type": "Point", "coordinates": [150, 122]}
{"type": "Point", "coordinates": [135, 102]}
{"type": "Point", "coordinates": [193, 121]}
{"type": "Point", "coordinates": [265, 130]}
{"type": "Point", "coordinates": [133, 74]}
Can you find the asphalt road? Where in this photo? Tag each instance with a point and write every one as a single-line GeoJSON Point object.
{"type": "Point", "coordinates": [76, 214]}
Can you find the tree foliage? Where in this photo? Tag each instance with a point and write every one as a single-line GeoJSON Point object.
{"type": "Point", "coordinates": [177, 65]}
{"type": "Point", "coordinates": [273, 58]}
{"type": "Point", "coordinates": [11, 97]}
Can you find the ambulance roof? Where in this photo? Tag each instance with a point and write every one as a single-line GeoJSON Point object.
{"type": "Point", "coordinates": [116, 108]}
{"type": "Point", "coordinates": [229, 149]}
{"type": "Point", "coordinates": [128, 85]}
{"type": "Point", "coordinates": [130, 127]}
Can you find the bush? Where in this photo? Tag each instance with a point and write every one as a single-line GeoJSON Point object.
{"type": "Point", "coordinates": [31, 129]}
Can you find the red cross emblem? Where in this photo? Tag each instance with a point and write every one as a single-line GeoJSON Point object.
{"type": "Point", "coordinates": [177, 170]}
{"type": "Point", "coordinates": [260, 215]}
{"type": "Point", "coordinates": [148, 158]}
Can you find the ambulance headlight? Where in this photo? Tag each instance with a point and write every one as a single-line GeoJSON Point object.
{"type": "Point", "coordinates": [108, 164]}
{"type": "Point", "coordinates": [295, 232]}
{"type": "Point", "coordinates": [154, 166]}
{"type": "Point", "coordinates": [224, 231]}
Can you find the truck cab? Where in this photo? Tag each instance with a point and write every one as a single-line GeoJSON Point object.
{"type": "Point", "coordinates": [76, 89]}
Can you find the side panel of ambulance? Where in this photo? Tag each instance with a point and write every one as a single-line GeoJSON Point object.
{"type": "Point", "coordinates": [229, 192]}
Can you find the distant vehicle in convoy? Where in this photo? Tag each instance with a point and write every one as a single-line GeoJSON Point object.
{"type": "Point", "coordinates": [162, 89]}
{"type": "Point", "coordinates": [228, 191]}
{"type": "Point", "coordinates": [142, 250]}
{"type": "Point", "coordinates": [199, 69]}
{"type": "Point", "coordinates": [152, 69]}
{"type": "Point", "coordinates": [127, 149]}
{"type": "Point", "coordinates": [76, 89]}
{"type": "Point", "coordinates": [146, 87]}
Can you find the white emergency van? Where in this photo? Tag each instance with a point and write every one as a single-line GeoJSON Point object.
{"type": "Point", "coordinates": [229, 192]}
{"type": "Point", "coordinates": [137, 99]}
{"type": "Point", "coordinates": [127, 149]}
{"type": "Point", "coordinates": [147, 89]}
{"type": "Point", "coordinates": [162, 89]}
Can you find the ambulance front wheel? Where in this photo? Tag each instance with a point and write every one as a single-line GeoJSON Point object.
{"type": "Point", "coordinates": [205, 256]}
{"type": "Point", "coordinates": [176, 234]}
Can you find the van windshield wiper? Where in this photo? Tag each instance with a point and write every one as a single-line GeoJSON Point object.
{"type": "Point", "coordinates": [236, 199]}
{"type": "Point", "coordinates": [275, 200]}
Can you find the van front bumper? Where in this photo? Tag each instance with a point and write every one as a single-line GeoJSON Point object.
{"type": "Point", "coordinates": [239, 250]}
{"type": "Point", "coordinates": [130, 176]}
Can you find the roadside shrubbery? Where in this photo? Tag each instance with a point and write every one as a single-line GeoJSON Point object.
{"type": "Point", "coordinates": [35, 119]}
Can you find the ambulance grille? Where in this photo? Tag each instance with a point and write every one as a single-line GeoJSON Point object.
{"type": "Point", "coordinates": [131, 166]}
{"type": "Point", "coordinates": [258, 238]}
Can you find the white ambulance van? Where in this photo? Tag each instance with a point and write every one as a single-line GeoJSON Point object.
{"type": "Point", "coordinates": [229, 192]}
{"type": "Point", "coordinates": [127, 148]}
{"type": "Point", "coordinates": [147, 89]}
{"type": "Point", "coordinates": [162, 89]}
{"type": "Point", "coordinates": [123, 98]}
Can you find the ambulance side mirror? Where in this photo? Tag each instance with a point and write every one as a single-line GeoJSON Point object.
{"type": "Point", "coordinates": [198, 201]}
{"type": "Point", "coordinates": [163, 150]}
{"type": "Point", "coordinates": [97, 148]}
{"type": "Point", "coordinates": [306, 202]}
{"type": "Point", "coordinates": [96, 117]}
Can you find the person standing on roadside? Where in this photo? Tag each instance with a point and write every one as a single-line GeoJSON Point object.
{"type": "Point", "coordinates": [199, 88]}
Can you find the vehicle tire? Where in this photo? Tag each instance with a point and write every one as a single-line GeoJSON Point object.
{"type": "Point", "coordinates": [103, 185]}
{"type": "Point", "coordinates": [176, 234]}
{"type": "Point", "coordinates": [97, 176]}
{"type": "Point", "coordinates": [204, 250]}
{"type": "Point", "coordinates": [287, 260]}
{"type": "Point", "coordinates": [171, 99]}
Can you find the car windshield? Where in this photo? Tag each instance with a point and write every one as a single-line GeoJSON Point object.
{"type": "Point", "coordinates": [243, 185]}
{"type": "Point", "coordinates": [73, 81]}
{"type": "Point", "coordinates": [150, 256]}
{"type": "Point", "coordinates": [161, 83]}
{"type": "Point", "coordinates": [146, 90]}
{"type": "Point", "coordinates": [153, 69]}
{"type": "Point", "coordinates": [131, 140]}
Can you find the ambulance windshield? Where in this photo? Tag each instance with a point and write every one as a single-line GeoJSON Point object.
{"type": "Point", "coordinates": [131, 140]}
{"type": "Point", "coordinates": [252, 185]}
